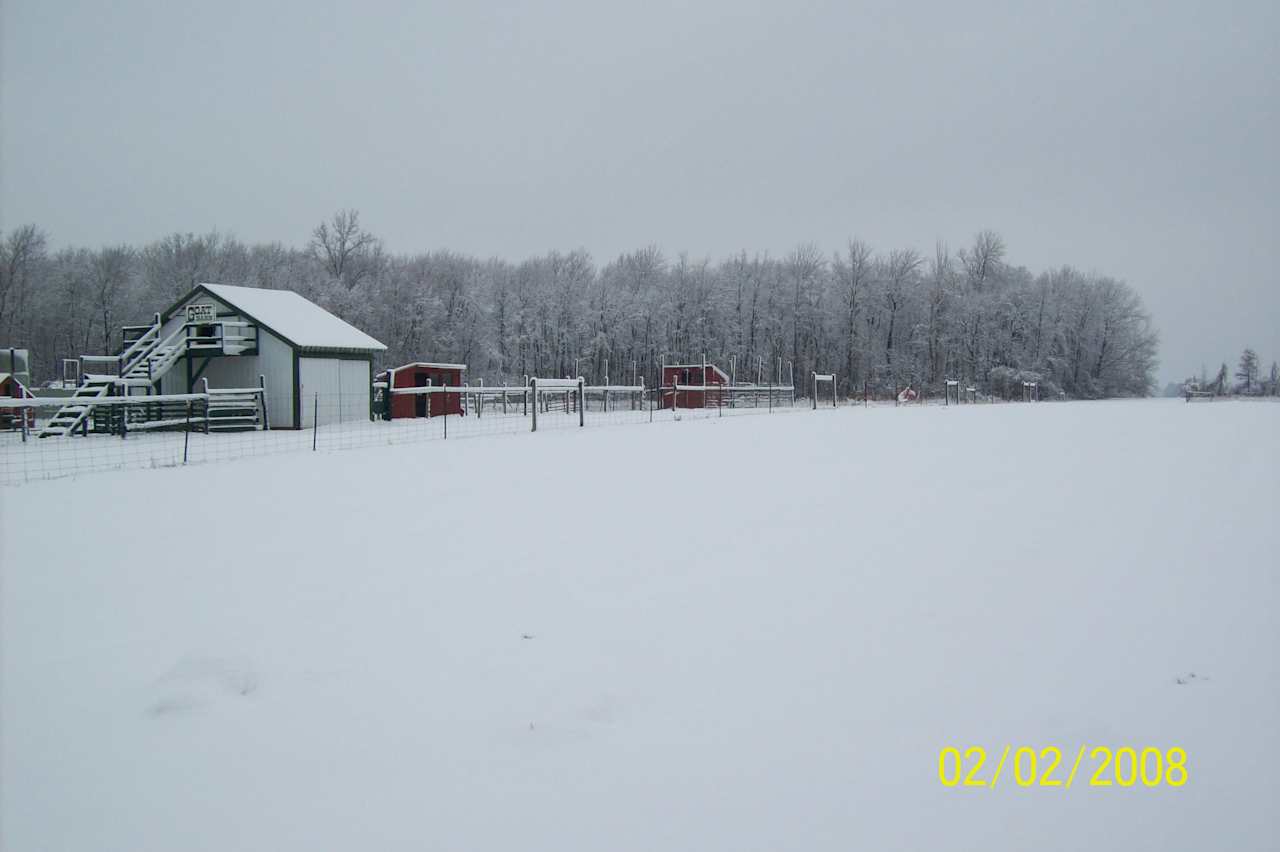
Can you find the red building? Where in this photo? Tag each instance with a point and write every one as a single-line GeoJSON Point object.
{"type": "Point", "coordinates": [421, 375]}
{"type": "Point", "coordinates": [11, 418]}
{"type": "Point", "coordinates": [692, 374]}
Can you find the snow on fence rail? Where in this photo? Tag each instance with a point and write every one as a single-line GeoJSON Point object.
{"type": "Point", "coordinates": [44, 402]}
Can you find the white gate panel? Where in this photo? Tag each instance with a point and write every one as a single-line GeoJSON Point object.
{"type": "Point", "coordinates": [337, 389]}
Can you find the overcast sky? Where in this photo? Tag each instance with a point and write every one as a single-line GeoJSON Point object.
{"type": "Point", "coordinates": [1139, 140]}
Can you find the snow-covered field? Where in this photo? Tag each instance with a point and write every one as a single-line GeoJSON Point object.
{"type": "Point", "coordinates": [740, 634]}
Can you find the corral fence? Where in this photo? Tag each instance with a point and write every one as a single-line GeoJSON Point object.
{"type": "Point", "coordinates": [141, 432]}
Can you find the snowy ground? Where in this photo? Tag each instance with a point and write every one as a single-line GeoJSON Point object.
{"type": "Point", "coordinates": [667, 637]}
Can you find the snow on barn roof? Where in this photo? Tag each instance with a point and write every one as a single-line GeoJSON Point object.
{"type": "Point", "coordinates": [298, 320]}
{"type": "Point", "coordinates": [719, 372]}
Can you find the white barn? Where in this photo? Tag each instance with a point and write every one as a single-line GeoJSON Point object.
{"type": "Point", "coordinates": [300, 348]}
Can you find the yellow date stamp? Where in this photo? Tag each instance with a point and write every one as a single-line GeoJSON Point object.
{"type": "Point", "coordinates": [1102, 766]}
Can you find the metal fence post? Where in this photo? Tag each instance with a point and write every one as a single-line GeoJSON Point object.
{"type": "Point", "coordinates": [582, 403]}
{"type": "Point", "coordinates": [533, 391]}
{"type": "Point", "coordinates": [315, 420]}
{"type": "Point", "coordinates": [186, 435]}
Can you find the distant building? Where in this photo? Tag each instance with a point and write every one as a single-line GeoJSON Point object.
{"type": "Point", "coordinates": [675, 375]}
{"type": "Point", "coordinates": [12, 387]}
{"type": "Point", "coordinates": [420, 375]}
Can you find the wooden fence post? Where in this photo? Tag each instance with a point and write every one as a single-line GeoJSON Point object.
{"type": "Point", "coordinates": [205, 385]}
{"type": "Point", "coordinates": [533, 390]}
{"type": "Point", "coordinates": [262, 385]}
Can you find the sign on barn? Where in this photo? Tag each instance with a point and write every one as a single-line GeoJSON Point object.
{"type": "Point", "coordinates": [202, 313]}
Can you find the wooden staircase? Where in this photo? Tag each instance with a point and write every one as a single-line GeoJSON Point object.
{"type": "Point", "coordinates": [145, 359]}
{"type": "Point", "coordinates": [134, 365]}
{"type": "Point", "coordinates": [72, 415]}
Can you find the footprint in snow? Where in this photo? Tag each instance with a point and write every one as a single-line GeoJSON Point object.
{"type": "Point", "coordinates": [197, 682]}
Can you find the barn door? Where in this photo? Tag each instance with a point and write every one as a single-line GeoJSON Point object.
{"type": "Point", "coordinates": [420, 401]}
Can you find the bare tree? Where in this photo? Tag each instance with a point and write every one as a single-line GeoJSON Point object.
{"type": "Point", "coordinates": [983, 262]}
{"type": "Point", "coordinates": [20, 253]}
{"type": "Point", "coordinates": [900, 270]}
{"type": "Point", "coordinates": [805, 267]}
{"type": "Point", "coordinates": [940, 274]}
{"type": "Point", "coordinates": [854, 271]}
{"type": "Point", "coordinates": [345, 251]}
{"type": "Point", "coordinates": [110, 270]}
{"type": "Point", "coordinates": [177, 263]}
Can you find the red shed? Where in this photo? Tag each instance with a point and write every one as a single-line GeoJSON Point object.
{"type": "Point", "coordinates": [420, 375]}
{"type": "Point", "coordinates": [11, 418]}
{"type": "Point", "coordinates": [692, 374]}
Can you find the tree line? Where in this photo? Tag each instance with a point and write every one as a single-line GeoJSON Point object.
{"type": "Point", "coordinates": [880, 319]}
{"type": "Point", "coordinates": [1248, 376]}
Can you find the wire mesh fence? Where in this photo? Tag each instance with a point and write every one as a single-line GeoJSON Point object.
{"type": "Point", "coordinates": [135, 433]}
{"type": "Point", "coordinates": [707, 401]}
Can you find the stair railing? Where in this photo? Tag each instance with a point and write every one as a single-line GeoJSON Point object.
{"type": "Point", "coordinates": [145, 341]}
{"type": "Point", "coordinates": [148, 353]}
{"type": "Point", "coordinates": [180, 342]}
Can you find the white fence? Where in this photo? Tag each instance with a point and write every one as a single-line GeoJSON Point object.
{"type": "Point", "coordinates": [545, 404]}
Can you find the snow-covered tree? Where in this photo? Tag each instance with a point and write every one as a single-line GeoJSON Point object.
{"type": "Point", "coordinates": [876, 319]}
{"type": "Point", "coordinates": [1247, 372]}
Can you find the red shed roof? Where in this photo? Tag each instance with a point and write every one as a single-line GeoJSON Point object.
{"type": "Point", "coordinates": [432, 366]}
{"type": "Point", "coordinates": [23, 393]}
{"type": "Point", "coordinates": [719, 372]}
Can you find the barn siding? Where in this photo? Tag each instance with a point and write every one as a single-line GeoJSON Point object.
{"type": "Point", "coordinates": [274, 361]}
